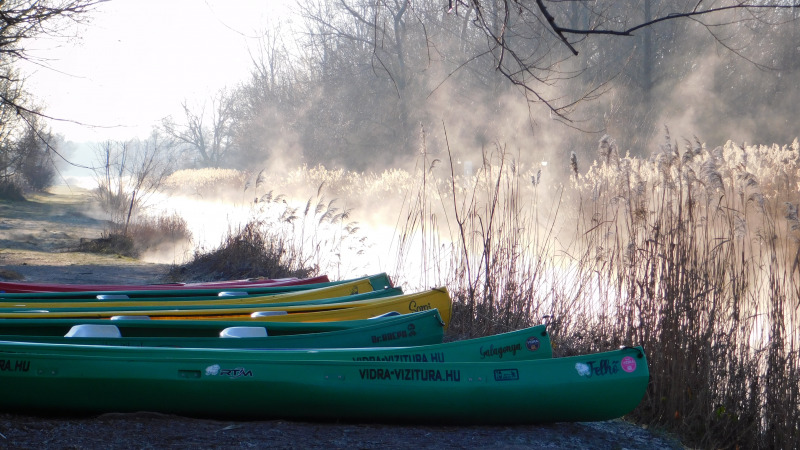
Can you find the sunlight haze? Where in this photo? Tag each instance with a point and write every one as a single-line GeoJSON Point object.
{"type": "Point", "coordinates": [136, 61]}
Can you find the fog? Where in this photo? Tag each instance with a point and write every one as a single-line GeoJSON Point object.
{"type": "Point", "coordinates": [329, 92]}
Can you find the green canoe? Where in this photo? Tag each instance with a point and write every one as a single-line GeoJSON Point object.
{"type": "Point", "coordinates": [144, 327]}
{"type": "Point", "coordinates": [320, 290]}
{"type": "Point", "coordinates": [379, 343]}
{"type": "Point", "coordinates": [400, 330]}
{"type": "Point", "coordinates": [257, 384]}
{"type": "Point", "coordinates": [239, 302]}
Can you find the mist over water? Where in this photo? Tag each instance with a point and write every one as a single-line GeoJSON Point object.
{"type": "Point", "coordinates": [348, 247]}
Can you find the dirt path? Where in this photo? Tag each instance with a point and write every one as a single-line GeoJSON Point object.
{"type": "Point", "coordinates": [37, 242]}
{"type": "Point", "coordinates": [38, 239]}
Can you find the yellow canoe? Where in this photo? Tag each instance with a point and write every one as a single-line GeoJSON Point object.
{"type": "Point", "coordinates": [359, 286]}
{"type": "Point", "coordinates": [438, 298]}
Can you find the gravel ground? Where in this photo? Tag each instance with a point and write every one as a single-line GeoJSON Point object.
{"type": "Point", "coordinates": [149, 430]}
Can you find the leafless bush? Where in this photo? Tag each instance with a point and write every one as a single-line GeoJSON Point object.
{"type": "Point", "coordinates": [10, 190]}
{"type": "Point", "coordinates": [143, 234]}
{"type": "Point", "coordinates": [245, 253]}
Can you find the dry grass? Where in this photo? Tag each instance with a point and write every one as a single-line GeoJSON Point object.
{"type": "Point", "coordinates": [209, 181]}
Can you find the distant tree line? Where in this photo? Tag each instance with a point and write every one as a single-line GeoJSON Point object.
{"type": "Point", "coordinates": [360, 83]}
{"type": "Point", "coordinates": [357, 83]}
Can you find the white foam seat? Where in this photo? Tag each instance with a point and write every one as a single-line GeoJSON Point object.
{"type": "Point", "coordinates": [268, 313]}
{"type": "Point", "coordinates": [388, 314]}
{"type": "Point", "coordinates": [130, 317]}
{"type": "Point", "coordinates": [243, 332]}
{"type": "Point", "coordinates": [112, 297]}
{"type": "Point", "coordinates": [94, 330]}
{"type": "Point", "coordinates": [232, 294]}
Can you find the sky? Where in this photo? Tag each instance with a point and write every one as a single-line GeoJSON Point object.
{"type": "Point", "coordinates": [138, 60]}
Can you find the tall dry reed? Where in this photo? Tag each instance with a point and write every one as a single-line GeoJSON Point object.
{"type": "Point", "coordinates": [702, 260]}
{"type": "Point", "coordinates": [692, 253]}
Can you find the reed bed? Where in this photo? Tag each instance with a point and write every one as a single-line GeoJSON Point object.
{"type": "Point", "coordinates": [692, 253]}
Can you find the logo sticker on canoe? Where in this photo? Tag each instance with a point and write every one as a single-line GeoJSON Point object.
{"type": "Point", "coordinates": [599, 368]}
{"type": "Point", "coordinates": [448, 375]}
{"type": "Point", "coordinates": [506, 375]}
{"type": "Point", "coordinates": [230, 373]}
{"type": "Point", "coordinates": [390, 336]}
{"type": "Point", "coordinates": [212, 370]}
{"type": "Point", "coordinates": [498, 352]}
{"type": "Point", "coordinates": [414, 307]}
{"type": "Point", "coordinates": [532, 344]}
{"type": "Point", "coordinates": [15, 365]}
{"type": "Point", "coordinates": [583, 369]}
{"type": "Point", "coordinates": [407, 357]}
{"type": "Point", "coordinates": [628, 364]}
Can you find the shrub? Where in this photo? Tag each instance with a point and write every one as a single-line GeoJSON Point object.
{"type": "Point", "coordinates": [11, 191]}
{"type": "Point", "coordinates": [141, 235]}
{"type": "Point", "coordinates": [13, 275]}
{"type": "Point", "coordinates": [110, 244]}
{"type": "Point", "coordinates": [246, 253]}
{"type": "Point", "coordinates": [149, 233]}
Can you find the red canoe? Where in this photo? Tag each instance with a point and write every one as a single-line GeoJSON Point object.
{"type": "Point", "coordinates": [22, 287]}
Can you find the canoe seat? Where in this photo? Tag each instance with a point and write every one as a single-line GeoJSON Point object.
{"type": "Point", "coordinates": [130, 317]}
{"type": "Point", "coordinates": [388, 314]}
{"type": "Point", "coordinates": [232, 294]}
{"type": "Point", "coordinates": [268, 313]}
{"type": "Point", "coordinates": [243, 332]}
{"type": "Point", "coordinates": [112, 297]}
{"type": "Point", "coordinates": [94, 330]}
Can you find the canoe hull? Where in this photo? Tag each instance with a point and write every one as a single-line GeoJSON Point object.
{"type": "Point", "coordinates": [239, 384]}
